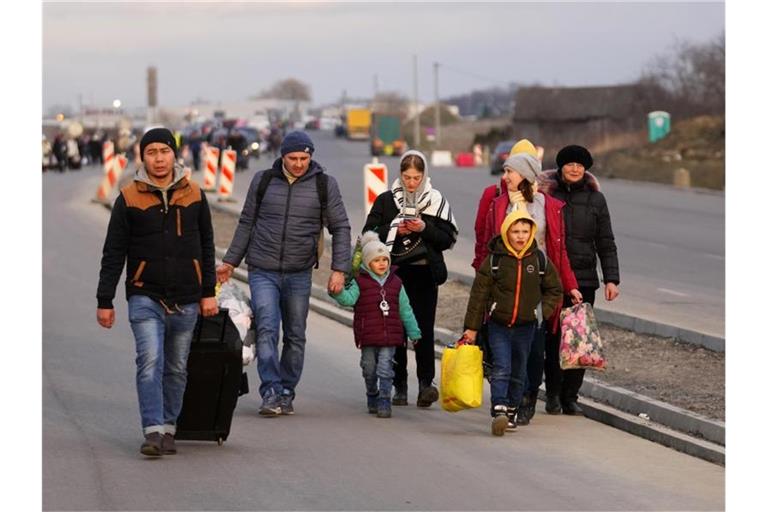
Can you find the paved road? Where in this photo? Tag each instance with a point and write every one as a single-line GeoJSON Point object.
{"type": "Point", "coordinates": [671, 242]}
{"type": "Point", "coordinates": [331, 455]}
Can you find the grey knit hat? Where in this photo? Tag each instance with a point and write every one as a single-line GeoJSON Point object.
{"type": "Point", "coordinates": [528, 166]}
{"type": "Point", "coordinates": [373, 247]}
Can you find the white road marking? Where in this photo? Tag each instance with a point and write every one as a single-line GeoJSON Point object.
{"type": "Point", "coordinates": [673, 292]}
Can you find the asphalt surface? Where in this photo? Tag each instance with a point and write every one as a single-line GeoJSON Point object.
{"type": "Point", "coordinates": [671, 242]}
{"type": "Point", "coordinates": [331, 455]}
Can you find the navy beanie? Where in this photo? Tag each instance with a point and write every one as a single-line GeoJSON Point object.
{"type": "Point", "coordinates": [161, 135]}
{"type": "Point", "coordinates": [297, 141]}
{"type": "Point", "coordinates": [576, 154]}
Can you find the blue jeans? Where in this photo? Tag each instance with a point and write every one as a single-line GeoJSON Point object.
{"type": "Point", "coordinates": [378, 370]}
{"type": "Point", "coordinates": [510, 347]}
{"type": "Point", "coordinates": [276, 297]}
{"type": "Point", "coordinates": [162, 348]}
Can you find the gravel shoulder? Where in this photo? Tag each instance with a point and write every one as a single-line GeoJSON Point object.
{"type": "Point", "coordinates": [674, 372]}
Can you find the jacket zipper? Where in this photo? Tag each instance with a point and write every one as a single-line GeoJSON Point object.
{"type": "Point", "coordinates": [285, 224]}
{"type": "Point", "coordinates": [137, 275]}
{"type": "Point", "coordinates": [517, 291]}
{"type": "Point", "coordinates": [198, 271]}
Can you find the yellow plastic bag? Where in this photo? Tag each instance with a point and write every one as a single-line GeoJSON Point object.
{"type": "Point", "coordinates": [461, 378]}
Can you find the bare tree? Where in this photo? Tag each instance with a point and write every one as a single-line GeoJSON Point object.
{"type": "Point", "coordinates": [288, 89]}
{"type": "Point", "coordinates": [693, 75]}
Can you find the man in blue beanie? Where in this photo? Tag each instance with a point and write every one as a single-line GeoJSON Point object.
{"type": "Point", "coordinates": [279, 233]}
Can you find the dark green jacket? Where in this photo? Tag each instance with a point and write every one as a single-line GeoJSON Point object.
{"type": "Point", "coordinates": [515, 291]}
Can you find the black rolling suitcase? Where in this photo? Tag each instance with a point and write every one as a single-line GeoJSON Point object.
{"type": "Point", "coordinates": [215, 379]}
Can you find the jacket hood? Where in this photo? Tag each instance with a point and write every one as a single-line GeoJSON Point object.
{"type": "Point", "coordinates": [143, 177]}
{"type": "Point", "coordinates": [520, 212]}
{"type": "Point", "coordinates": [550, 180]}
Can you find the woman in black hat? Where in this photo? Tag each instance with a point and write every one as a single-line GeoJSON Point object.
{"type": "Point", "coordinates": [588, 236]}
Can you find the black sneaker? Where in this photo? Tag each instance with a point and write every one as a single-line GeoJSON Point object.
{"type": "Point", "coordinates": [499, 420]}
{"type": "Point", "coordinates": [532, 399]}
{"type": "Point", "coordinates": [286, 405]}
{"type": "Point", "coordinates": [553, 405]}
{"type": "Point", "coordinates": [571, 408]}
{"type": "Point", "coordinates": [401, 396]}
{"type": "Point", "coordinates": [270, 406]}
{"type": "Point", "coordinates": [152, 445]}
{"type": "Point", "coordinates": [427, 396]}
{"type": "Point", "coordinates": [373, 403]}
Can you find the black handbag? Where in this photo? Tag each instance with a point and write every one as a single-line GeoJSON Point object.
{"type": "Point", "coordinates": [408, 248]}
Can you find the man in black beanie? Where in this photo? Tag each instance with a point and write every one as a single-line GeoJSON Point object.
{"type": "Point", "coordinates": [279, 233]}
{"type": "Point", "coordinates": [162, 225]}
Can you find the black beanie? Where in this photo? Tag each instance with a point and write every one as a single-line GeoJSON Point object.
{"type": "Point", "coordinates": [296, 141]}
{"type": "Point", "coordinates": [576, 154]}
{"type": "Point", "coordinates": [161, 135]}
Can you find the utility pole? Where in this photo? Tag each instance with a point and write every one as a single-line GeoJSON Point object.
{"type": "Point", "coordinates": [437, 111]}
{"type": "Point", "coordinates": [416, 127]}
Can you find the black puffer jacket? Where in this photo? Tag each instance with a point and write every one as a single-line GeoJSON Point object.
{"type": "Point", "coordinates": [587, 226]}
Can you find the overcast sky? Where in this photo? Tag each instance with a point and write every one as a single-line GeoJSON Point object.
{"type": "Point", "coordinates": [229, 51]}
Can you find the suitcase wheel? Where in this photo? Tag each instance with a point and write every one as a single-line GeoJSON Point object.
{"type": "Point", "coordinates": [220, 441]}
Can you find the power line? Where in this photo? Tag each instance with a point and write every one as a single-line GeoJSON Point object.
{"type": "Point", "coordinates": [475, 75]}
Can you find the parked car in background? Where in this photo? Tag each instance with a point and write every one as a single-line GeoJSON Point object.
{"type": "Point", "coordinates": [500, 154]}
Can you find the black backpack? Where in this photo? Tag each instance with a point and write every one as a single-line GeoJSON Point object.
{"type": "Point", "coordinates": [322, 194]}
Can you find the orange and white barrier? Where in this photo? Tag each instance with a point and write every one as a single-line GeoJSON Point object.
{"type": "Point", "coordinates": [374, 182]}
{"type": "Point", "coordinates": [211, 168]}
{"type": "Point", "coordinates": [108, 155]}
{"type": "Point", "coordinates": [227, 181]}
{"type": "Point", "coordinates": [111, 177]}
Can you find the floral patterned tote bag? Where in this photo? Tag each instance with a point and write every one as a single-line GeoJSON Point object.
{"type": "Point", "coordinates": [580, 342]}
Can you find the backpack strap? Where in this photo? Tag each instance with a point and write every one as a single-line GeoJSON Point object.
{"type": "Point", "coordinates": [322, 194]}
{"type": "Point", "coordinates": [542, 262]}
{"type": "Point", "coordinates": [494, 265]}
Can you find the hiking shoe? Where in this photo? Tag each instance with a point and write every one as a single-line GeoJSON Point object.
{"type": "Point", "coordinates": [571, 408]}
{"type": "Point", "coordinates": [169, 444]}
{"type": "Point", "coordinates": [401, 396]}
{"type": "Point", "coordinates": [513, 416]}
{"type": "Point", "coordinates": [152, 445]}
{"type": "Point", "coordinates": [384, 408]}
{"type": "Point", "coordinates": [286, 405]}
{"type": "Point", "coordinates": [522, 417]}
{"type": "Point", "coordinates": [270, 406]}
{"type": "Point", "coordinates": [373, 406]}
{"type": "Point", "coordinates": [553, 405]}
{"type": "Point", "coordinates": [532, 398]}
{"type": "Point", "coordinates": [427, 396]}
{"type": "Point", "coordinates": [499, 420]}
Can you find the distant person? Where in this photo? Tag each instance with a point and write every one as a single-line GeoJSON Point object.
{"type": "Point", "coordinates": [588, 235]}
{"type": "Point", "coordinates": [170, 278]}
{"type": "Point", "coordinates": [519, 189]}
{"type": "Point", "coordinates": [195, 145]}
{"type": "Point", "coordinates": [278, 234]}
{"type": "Point", "coordinates": [275, 139]}
{"type": "Point", "coordinates": [514, 258]}
{"type": "Point", "coordinates": [416, 223]}
{"type": "Point", "coordinates": [60, 152]}
{"type": "Point", "coordinates": [383, 316]}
